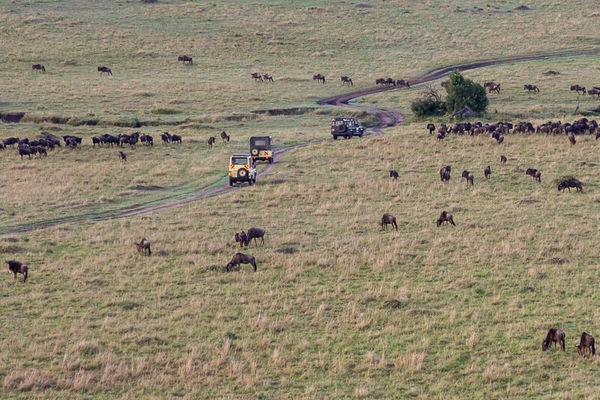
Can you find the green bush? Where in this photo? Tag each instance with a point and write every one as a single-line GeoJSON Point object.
{"type": "Point", "coordinates": [429, 105]}
{"type": "Point", "coordinates": [464, 92]}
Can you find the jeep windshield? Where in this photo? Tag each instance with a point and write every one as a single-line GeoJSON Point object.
{"type": "Point", "coordinates": [239, 160]}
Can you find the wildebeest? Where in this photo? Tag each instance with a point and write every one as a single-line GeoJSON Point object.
{"type": "Point", "coordinates": [586, 345]}
{"type": "Point", "coordinates": [147, 139]}
{"type": "Point", "coordinates": [555, 335]}
{"type": "Point", "coordinates": [487, 172]}
{"type": "Point", "coordinates": [445, 217]}
{"type": "Point", "coordinates": [572, 139]}
{"type": "Point", "coordinates": [176, 139]}
{"type": "Point", "coordinates": [430, 128]}
{"type": "Point", "coordinates": [492, 87]}
{"type": "Point", "coordinates": [211, 141]}
{"type": "Point", "coordinates": [402, 83]}
{"type": "Point", "coordinates": [122, 157]}
{"type": "Point", "coordinates": [535, 174]}
{"type": "Point", "coordinates": [225, 137]}
{"type": "Point", "coordinates": [578, 88]}
{"type": "Point", "coordinates": [241, 238]}
{"type": "Point", "coordinates": [185, 59]}
{"type": "Point", "coordinates": [95, 141]}
{"type": "Point", "coordinates": [346, 81]}
{"type": "Point", "coordinates": [24, 150]}
{"type": "Point", "coordinates": [319, 77]}
{"type": "Point", "coordinates": [388, 219]}
{"type": "Point", "coordinates": [257, 77]}
{"type": "Point", "coordinates": [468, 176]}
{"type": "Point", "coordinates": [394, 174]}
{"type": "Point", "coordinates": [166, 137]}
{"type": "Point", "coordinates": [11, 141]}
{"type": "Point", "coordinates": [268, 78]}
{"type": "Point", "coordinates": [144, 246]}
{"type": "Point", "coordinates": [17, 267]}
{"type": "Point", "coordinates": [594, 92]}
{"type": "Point", "coordinates": [570, 183]}
{"type": "Point", "coordinates": [105, 70]}
{"type": "Point", "coordinates": [531, 88]}
{"type": "Point", "coordinates": [240, 258]}
{"type": "Point", "coordinates": [445, 173]}
{"type": "Point", "coordinates": [255, 233]}
{"type": "Point", "coordinates": [38, 67]}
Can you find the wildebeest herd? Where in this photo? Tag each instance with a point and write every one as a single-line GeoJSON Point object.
{"type": "Point", "coordinates": [586, 346]}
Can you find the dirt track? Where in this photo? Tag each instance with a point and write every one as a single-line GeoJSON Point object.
{"type": "Point", "coordinates": [385, 118]}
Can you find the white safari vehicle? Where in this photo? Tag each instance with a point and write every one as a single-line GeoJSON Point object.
{"type": "Point", "coordinates": [242, 169]}
{"type": "Point", "coordinates": [261, 148]}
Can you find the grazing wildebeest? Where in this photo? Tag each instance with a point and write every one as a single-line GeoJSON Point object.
{"type": "Point", "coordinates": [531, 88]}
{"type": "Point", "coordinates": [492, 87]}
{"type": "Point", "coordinates": [468, 176]}
{"type": "Point", "coordinates": [40, 150]}
{"type": "Point", "coordinates": [211, 141]}
{"type": "Point", "coordinates": [445, 173]}
{"type": "Point", "coordinates": [95, 141]}
{"type": "Point", "coordinates": [445, 217]}
{"type": "Point", "coordinates": [402, 83]}
{"type": "Point", "coordinates": [11, 141]}
{"type": "Point", "coordinates": [586, 345]}
{"type": "Point", "coordinates": [388, 219]}
{"type": "Point", "coordinates": [241, 238]}
{"type": "Point", "coordinates": [225, 137]}
{"type": "Point", "coordinates": [555, 335]}
{"type": "Point", "coordinates": [430, 128]}
{"type": "Point", "coordinates": [144, 246]}
{"type": "Point", "coordinates": [185, 59]}
{"type": "Point", "coordinates": [319, 77]}
{"type": "Point", "coordinates": [122, 157]}
{"type": "Point", "coordinates": [594, 92]}
{"type": "Point", "coordinates": [105, 70]}
{"type": "Point", "coordinates": [500, 139]}
{"type": "Point", "coordinates": [578, 88]}
{"type": "Point", "coordinates": [240, 258]}
{"type": "Point", "coordinates": [535, 174]}
{"type": "Point", "coordinates": [503, 159]}
{"type": "Point", "coordinates": [487, 172]}
{"type": "Point", "coordinates": [346, 81]}
{"type": "Point", "coordinates": [572, 139]}
{"type": "Point", "coordinates": [18, 268]}
{"type": "Point", "coordinates": [257, 77]}
{"type": "Point", "coordinates": [166, 137]}
{"type": "Point", "coordinates": [394, 174]}
{"type": "Point", "coordinates": [268, 78]}
{"type": "Point", "coordinates": [24, 150]}
{"type": "Point", "coordinates": [255, 233]}
{"type": "Point", "coordinates": [570, 183]}
{"type": "Point", "coordinates": [176, 139]}
{"type": "Point", "coordinates": [38, 67]}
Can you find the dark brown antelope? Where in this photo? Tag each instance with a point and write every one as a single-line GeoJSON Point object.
{"type": "Point", "coordinates": [38, 67]}
{"type": "Point", "coordinates": [105, 70]}
{"type": "Point", "coordinates": [586, 345]}
{"type": "Point", "coordinates": [18, 268]}
{"type": "Point", "coordinates": [445, 173]}
{"type": "Point", "coordinates": [319, 77]}
{"type": "Point", "coordinates": [122, 157]}
{"type": "Point", "coordinates": [577, 89]}
{"type": "Point", "coordinates": [257, 77]}
{"type": "Point", "coordinates": [555, 335]}
{"type": "Point", "coordinates": [225, 137]}
{"type": "Point", "coordinates": [430, 128]}
{"type": "Point", "coordinates": [268, 78]}
{"type": "Point", "coordinates": [211, 141]}
{"type": "Point", "coordinates": [185, 59]}
{"type": "Point", "coordinates": [144, 246]}
{"type": "Point", "coordinates": [240, 258]}
{"type": "Point", "coordinates": [572, 139]}
{"type": "Point", "coordinates": [468, 176]}
{"type": "Point", "coordinates": [346, 81]}
{"type": "Point", "coordinates": [445, 217]}
{"type": "Point", "coordinates": [503, 159]}
{"type": "Point", "coordinates": [388, 219]}
{"type": "Point", "coordinates": [241, 238]}
{"type": "Point", "coordinates": [255, 233]}
{"type": "Point", "coordinates": [394, 174]}
{"type": "Point", "coordinates": [535, 174]}
{"type": "Point", "coordinates": [487, 172]}
{"type": "Point", "coordinates": [531, 88]}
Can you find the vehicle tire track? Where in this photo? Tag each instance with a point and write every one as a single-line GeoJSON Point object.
{"type": "Point", "coordinates": [385, 119]}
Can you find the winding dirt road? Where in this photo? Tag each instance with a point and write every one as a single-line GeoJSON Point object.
{"type": "Point", "coordinates": [385, 119]}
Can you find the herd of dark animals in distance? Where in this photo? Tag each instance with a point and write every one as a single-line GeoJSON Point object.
{"type": "Point", "coordinates": [497, 131]}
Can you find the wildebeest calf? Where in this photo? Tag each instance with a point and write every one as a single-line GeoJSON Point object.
{"type": "Point", "coordinates": [468, 176]}
{"type": "Point", "coordinates": [535, 174]}
{"type": "Point", "coordinates": [445, 217]}
{"type": "Point", "coordinates": [241, 238]}
{"type": "Point", "coordinates": [555, 335]}
{"type": "Point", "coordinates": [144, 246]}
{"type": "Point", "coordinates": [18, 268]}
{"type": "Point", "coordinates": [240, 258]}
{"type": "Point", "coordinates": [394, 174]}
{"type": "Point", "coordinates": [586, 345]}
{"type": "Point", "coordinates": [430, 128]}
{"type": "Point", "coordinates": [122, 157]}
{"type": "Point", "coordinates": [388, 219]}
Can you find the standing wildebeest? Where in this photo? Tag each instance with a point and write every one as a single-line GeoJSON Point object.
{"type": "Point", "coordinates": [268, 78]}
{"type": "Point", "coordinates": [95, 141]}
{"type": "Point", "coordinates": [578, 88]}
{"type": "Point", "coordinates": [445, 173]}
{"type": "Point", "coordinates": [319, 77]}
{"type": "Point", "coordinates": [185, 59]}
{"type": "Point", "coordinates": [487, 172]}
{"type": "Point", "coordinates": [24, 150]}
{"type": "Point", "coordinates": [346, 81]}
{"type": "Point", "coordinates": [240, 258]}
{"type": "Point", "coordinates": [492, 87]}
{"type": "Point", "coordinates": [257, 77]}
{"type": "Point", "coordinates": [176, 139]}
{"type": "Point", "coordinates": [144, 246]}
{"type": "Point", "coordinates": [468, 176]}
{"type": "Point", "coordinates": [255, 233]}
{"type": "Point", "coordinates": [38, 67]}
{"type": "Point", "coordinates": [225, 137]}
{"type": "Point", "coordinates": [402, 83]}
{"type": "Point", "coordinates": [122, 157]}
{"type": "Point", "coordinates": [394, 174]}
{"type": "Point", "coordinates": [572, 139]}
{"type": "Point", "coordinates": [430, 128]}
{"type": "Point", "coordinates": [503, 159]}
{"type": "Point", "coordinates": [211, 141]}
{"type": "Point", "coordinates": [535, 174]}
{"type": "Point", "coordinates": [11, 141]}
{"type": "Point", "coordinates": [594, 92]}
{"type": "Point", "coordinates": [445, 217]}
{"type": "Point", "coordinates": [388, 219]}
{"type": "Point", "coordinates": [241, 238]}
{"type": "Point", "coordinates": [166, 137]}
{"type": "Point", "coordinates": [531, 88]}
{"type": "Point", "coordinates": [586, 345]}
{"type": "Point", "coordinates": [18, 268]}
{"type": "Point", "coordinates": [570, 183]}
{"type": "Point", "coordinates": [105, 70]}
{"type": "Point", "coordinates": [555, 335]}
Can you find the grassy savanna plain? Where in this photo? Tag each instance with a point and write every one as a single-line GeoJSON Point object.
{"type": "Point", "coordinates": [97, 320]}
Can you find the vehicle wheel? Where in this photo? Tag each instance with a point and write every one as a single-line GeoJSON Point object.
{"type": "Point", "coordinates": [242, 174]}
{"type": "Point", "coordinates": [270, 160]}
{"type": "Point", "coordinates": [342, 128]}
{"type": "Point", "coordinates": [230, 181]}
{"type": "Point", "coordinates": [254, 152]}
{"type": "Point", "coordinates": [334, 137]}
{"type": "Point", "coordinates": [250, 181]}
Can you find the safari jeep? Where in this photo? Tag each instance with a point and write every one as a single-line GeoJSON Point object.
{"type": "Point", "coordinates": [260, 148]}
{"type": "Point", "coordinates": [346, 127]}
{"type": "Point", "coordinates": [242, 169]}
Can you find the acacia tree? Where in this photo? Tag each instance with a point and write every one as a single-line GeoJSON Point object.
{"type": "Point", "coordinates": [464, 92]}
